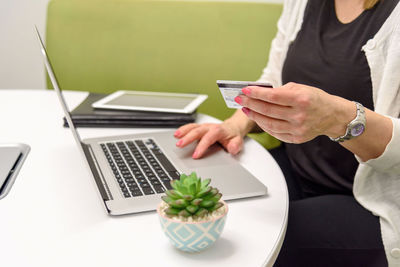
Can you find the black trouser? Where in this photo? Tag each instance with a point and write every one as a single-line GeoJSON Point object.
{"type": "Point", "coordinates": [327, 230]}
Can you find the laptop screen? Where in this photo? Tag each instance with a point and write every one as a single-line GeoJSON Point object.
{"type": "Point", "coordinates": [54, 82]}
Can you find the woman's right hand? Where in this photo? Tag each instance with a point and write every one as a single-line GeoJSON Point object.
{"type": "Point", "coordinates": [229, 135]}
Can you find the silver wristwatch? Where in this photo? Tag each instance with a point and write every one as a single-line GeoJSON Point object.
{"type": "Point", "coordinates": [356, 127]}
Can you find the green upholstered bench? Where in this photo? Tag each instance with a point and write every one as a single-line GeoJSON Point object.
{"type": "Point", "coordinates": [177, 46]}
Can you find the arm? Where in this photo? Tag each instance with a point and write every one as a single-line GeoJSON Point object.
{"type": "Point", "coordinates": [377, 135]}
{"type": "Point", "coordinates": [231, 132]}
{"type": "Point", "coordinates": [272, 72]}
{"type": "Point", "coordinates": [298, 113]}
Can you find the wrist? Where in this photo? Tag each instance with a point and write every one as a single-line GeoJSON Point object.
{"type": "Point", "coordinates": [342, 113]}
{"type": "Point", "coordinates": [241, 123]}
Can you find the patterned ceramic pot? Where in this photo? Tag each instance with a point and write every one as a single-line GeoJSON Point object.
{"type": "Point", "coordinates": [192, 236]}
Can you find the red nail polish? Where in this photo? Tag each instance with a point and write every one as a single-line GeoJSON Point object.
{"type": "Point", "coordinates": [246, 111]}
{"type": "Point", "coordinates": [177, 133]}
{"type": "Point", "coordinates": [246, 91]}
{"type": "Point", "coordinates": [238, 100]}
{"type": "Point", "coordinates": [179, 143]}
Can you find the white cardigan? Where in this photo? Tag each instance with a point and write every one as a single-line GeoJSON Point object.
{"type": "Point", "coordinates": [377, 181]}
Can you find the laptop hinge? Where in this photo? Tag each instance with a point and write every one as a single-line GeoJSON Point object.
{"type": "Point", "coordinates": [97, 174]}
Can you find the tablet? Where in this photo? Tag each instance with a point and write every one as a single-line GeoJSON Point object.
{"type": "Point", "coordinates": [151, 101]}
{"type": "Point", "coordinates": [12, 156]}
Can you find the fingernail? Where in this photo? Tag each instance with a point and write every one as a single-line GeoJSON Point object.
{"type": "Point", "coordinates": [177, 133]}
{"type": "Point", "coordinates": [246, 111]}
{"type": "Point", "coordinates": [246, 91]}
{"type": "Point", "coordinates": [238, 100]}
{"type": "Point", "coordinates": [179, 143]}
{"type": "Point", "coordinates": [195, 155]}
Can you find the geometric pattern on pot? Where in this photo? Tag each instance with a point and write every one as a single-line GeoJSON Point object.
{"type": "Point", "coordinates": [192, 237]}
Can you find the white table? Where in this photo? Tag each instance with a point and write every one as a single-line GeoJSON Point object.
{"type": "Point", "coordinates": [53, 216]}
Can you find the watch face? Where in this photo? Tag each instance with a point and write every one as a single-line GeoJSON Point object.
{"type": "Point", "coordinates": [357, 129]}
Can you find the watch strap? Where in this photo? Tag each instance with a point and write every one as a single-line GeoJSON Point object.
{"type": "Point", "coordinates": [360, 116]}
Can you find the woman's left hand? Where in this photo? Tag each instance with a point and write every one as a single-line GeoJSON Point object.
{"type": "Point", "coordinates": [296, 113]}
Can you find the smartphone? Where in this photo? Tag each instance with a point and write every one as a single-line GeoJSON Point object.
{"type": "Point", "coordinates": [231, 89]}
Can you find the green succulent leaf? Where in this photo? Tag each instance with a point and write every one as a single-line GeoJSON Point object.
{"type": "Point", "coordinates": [211, 194]}
{"type": "Point", "coordinates": [188, 197]}
{"type": "Point", "coordinates": [198, 185]}
{"type": "Point", "coordinates": [205, 183]}
{"type": "Point", "coordinates": [192, 209]}
{"type": "Point", "coordinates": [174, 184]}
{"type": "Point", "coordinates": [182, 189]}
{"type": "Point", "coordinates": [173, 194]}
{"type": "Point", "coordinates": [184, 213]}
{"type": "Point", "coordinates": [171, 211]}
{"type": "Point", "coordinates": [214, 191]}
{"type": "Point", "coordinates": [191, 196]}
{"type": "Point", "coordinates": [204, 192]}
{"type": "Point", "coordinates": [196, 201]}
{"type": "Point", "coordinates": [216, 198]}
{"type": "Point", "coordinates": [183, 177]}
{"type": "Point", "coordinates": [190, 182]}
{"type": "Point", "coordinates": [167, 199]}
{"type": "Point", "coordinates": [207, 203]}
{"type": "Point", "coordinates": [192, 188]}
{"type": "Point", "coordinates": [201, 212]}
{"type": "Point", "coordinates": [216, 206]}
{"type": "Point", "coordinates": [178, 204]}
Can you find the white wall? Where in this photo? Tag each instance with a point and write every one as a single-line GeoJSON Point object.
{"type": "Point", "coordinates": [21, 64]}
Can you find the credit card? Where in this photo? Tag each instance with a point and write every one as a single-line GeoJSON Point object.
{"type": "Point", "coordinates": [231, 89]}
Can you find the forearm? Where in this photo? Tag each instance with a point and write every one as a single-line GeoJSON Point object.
{"type": "Point", "coordinates": [297, 113]}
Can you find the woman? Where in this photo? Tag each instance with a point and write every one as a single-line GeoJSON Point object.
{"type": "Point", "coordinates": [335, 67]}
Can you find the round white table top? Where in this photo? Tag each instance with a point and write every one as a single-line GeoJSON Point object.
{"type": "Point", "coordinates": [53, 216]}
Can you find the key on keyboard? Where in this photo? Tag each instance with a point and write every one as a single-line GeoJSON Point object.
{"type": "Point", "coordinates": [139, 167]}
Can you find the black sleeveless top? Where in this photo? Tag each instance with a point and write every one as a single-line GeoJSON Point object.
{"type": "Point", "coordinates": [327, 54]}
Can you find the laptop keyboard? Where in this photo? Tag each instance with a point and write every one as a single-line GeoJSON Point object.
{"type": "Point", "coordinates": [139, 167]}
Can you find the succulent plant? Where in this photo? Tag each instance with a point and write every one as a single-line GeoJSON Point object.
{"type": "Point", "coordinates": [191, 196]}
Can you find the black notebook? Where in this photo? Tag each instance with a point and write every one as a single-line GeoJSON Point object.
{"type": "Point", "coordinates": [86, 116]}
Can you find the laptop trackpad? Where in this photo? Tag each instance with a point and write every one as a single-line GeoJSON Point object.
{"type": "Point", "coordinates": [214, 156]}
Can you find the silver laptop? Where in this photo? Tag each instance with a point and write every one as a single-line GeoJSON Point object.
{"type": "Point", "coordinates": [132, 172]}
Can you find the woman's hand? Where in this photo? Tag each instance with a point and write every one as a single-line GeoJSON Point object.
{"type": "Point", "coordinates": [296, 113]}
{"type": "Point", "coordinates": [228, 134]}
